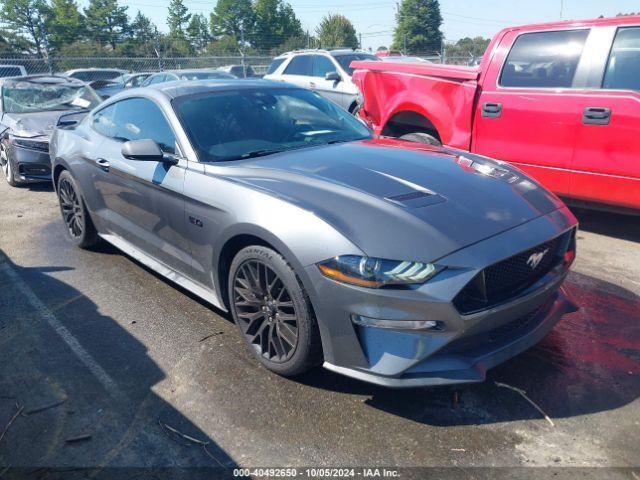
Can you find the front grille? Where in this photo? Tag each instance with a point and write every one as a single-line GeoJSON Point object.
{"type": "Point", "coordinates": [504, 280]}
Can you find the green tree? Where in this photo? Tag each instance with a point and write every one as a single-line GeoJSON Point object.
{"type": "Point", "coordinates": [25, 18]}
{"type": "Point", "coordinates": [64, 23]}
{"type": "Point", "coordinates": [107, 22]}
{"type": "Point", "coordinates": [178, 18]}
{"type": "Point", "coordinates": [468, 47]}
{"type": "Point", "coordinates": [234, 18]}
{"type": "Point", "coordinates": [418, 26]}
{"type": "Point", "coordinates": [275, 23]}
{"type": "Point", "coordinates": [143, 37]}
{"type": "Point", "coordinates": [336, 31]}
{"type": "Point", "coordinates": [198, 32]}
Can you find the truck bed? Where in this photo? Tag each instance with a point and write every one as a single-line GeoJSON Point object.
{"type": "Point", "coordinates": [399, 93]}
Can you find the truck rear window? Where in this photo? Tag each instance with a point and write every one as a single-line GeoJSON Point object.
{"type": "Point", "coordinates": [544, 60]}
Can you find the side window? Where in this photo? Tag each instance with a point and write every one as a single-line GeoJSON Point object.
{"type": "Point", "coordinates": [138, 119]}
{"type": "Point", "coordinates": [544, 60]}
{"type": "Point", "coordinates": [157, 79]}
{"type": "Point", "coordinates": [623, 68]}
{"type": "Point", "coordinates": [102, 121]}
{"type": "Point", "coordinates": [274, 65]}
{"type": "Point", "coordinates": [300, 65]}
{"type": "Point", "coordinates": [322, 65]}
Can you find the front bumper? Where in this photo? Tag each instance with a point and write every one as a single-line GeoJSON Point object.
{"type": "Point", "coordinates": [468, 345]}
{"type": "Point", "coordinates": [30, 165]}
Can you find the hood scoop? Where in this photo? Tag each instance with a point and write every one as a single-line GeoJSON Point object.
{"type": "Point", "coordinates": [416, 199]}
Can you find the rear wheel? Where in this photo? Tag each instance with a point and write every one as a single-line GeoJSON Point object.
{"type": "Point", "coordinates": [421, 137]}
{"type": "Point", "coordinates": [79, 227]}
{"type": "Point", "coordinates": [273, 312]}
{"type": "Point", "coordinates": [7, 165]}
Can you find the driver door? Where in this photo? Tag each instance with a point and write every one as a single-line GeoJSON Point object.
{"type": "Point", "coordinates": [145, 202]}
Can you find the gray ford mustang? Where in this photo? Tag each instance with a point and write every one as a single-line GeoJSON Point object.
{"type": "Point", "coordinates": [392, 262]}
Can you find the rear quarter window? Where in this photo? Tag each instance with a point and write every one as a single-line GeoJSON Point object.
{"type": "Point", "coordinates": [544, 59]}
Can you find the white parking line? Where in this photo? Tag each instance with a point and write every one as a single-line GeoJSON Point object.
{"type": "Point", "coordinates": [85, 357]}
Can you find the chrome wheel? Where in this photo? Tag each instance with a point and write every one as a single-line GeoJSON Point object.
{"type": "Point", "coordinates": [265, 311]}
{"type": "Point", "coordinates": [71, 208]}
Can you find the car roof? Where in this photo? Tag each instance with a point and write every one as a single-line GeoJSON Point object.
{"type": "Point", "coordinates": [95, 69]}
{"type": "Point", "coordinates": [180, 89]}
{"type": "Point", "coordinates": [567, 24]}
{"type": "Point", "coordinates": [319, 51]}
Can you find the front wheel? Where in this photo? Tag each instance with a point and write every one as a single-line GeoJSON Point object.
{"type": "Point", "coordinates": [421, 137]}
{"type": "Point", "coordinates": [7, 165]}
{"type": "Point", "coordinates": [79, 227]}
{"type": "Point", "coordinates": [273, 312]}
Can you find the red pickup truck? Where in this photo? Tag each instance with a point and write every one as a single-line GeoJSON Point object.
{"type": "Point", "coordinates": [559, 100]}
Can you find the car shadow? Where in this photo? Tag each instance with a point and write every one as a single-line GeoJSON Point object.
{"type": "Point", "coordinates": [590, 362]}
{"type": "Point", "coordinates": [39, 187]}
{"type": "Point", "coordinates": [80, 389]}
{"type": "Point", "coordinates": [624, 227]}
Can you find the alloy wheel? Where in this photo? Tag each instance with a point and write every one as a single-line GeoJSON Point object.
{"type": "Point", "coordinates": [71, 208]}
{"type": "Point", "coordinates": [265, 311]}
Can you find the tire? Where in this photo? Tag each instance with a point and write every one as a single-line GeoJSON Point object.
{"type": "Point", "coordinates": [421, 137]}
{"type": "Point", "coordinates": [273, 312]}
{"type": "Point", "coordinates": [79, 226]}
{"type": "Point", "coordinates": [7, 165]}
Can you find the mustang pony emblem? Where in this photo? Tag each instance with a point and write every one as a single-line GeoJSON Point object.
{"type": "Point", "coordinates": [534, 260]}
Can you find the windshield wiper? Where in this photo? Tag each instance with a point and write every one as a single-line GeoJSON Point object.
{"type": "Point", "coordinates": [259, 153]}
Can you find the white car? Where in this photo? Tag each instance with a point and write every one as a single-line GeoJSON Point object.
{"type": "Point", "coordinates": [12, 71]}
{"type": "Point", "coordinates": [326, 72]}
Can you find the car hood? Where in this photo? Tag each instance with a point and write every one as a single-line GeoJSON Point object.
{"type": "Point", "coordinates": [400, 200]}
{"type": "Point", "coordinates": [32, 124]}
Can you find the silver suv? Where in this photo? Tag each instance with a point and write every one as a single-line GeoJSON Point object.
{"type": "Point", "coordinates": [327, 72]}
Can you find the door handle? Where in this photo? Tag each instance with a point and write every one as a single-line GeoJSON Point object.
{"type": "Point", "coordinates": [596, 116]}
{"type": "Point", "coordinates": [103, 164]}
{"type": "Point", "coordinates": [492, 110]}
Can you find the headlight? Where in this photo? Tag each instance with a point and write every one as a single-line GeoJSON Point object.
{"type": "Point", "coordinates": [376, 272]}
{"type": "Point", "coordinates": [32, 144]}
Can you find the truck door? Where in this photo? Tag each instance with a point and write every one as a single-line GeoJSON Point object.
{"type": "Point", "coordinates": [606, 162]}
{"type": "Point", "coordinates": [528, 111]}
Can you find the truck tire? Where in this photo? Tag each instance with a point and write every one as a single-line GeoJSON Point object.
{"type": "Point", "coordinates": [421, 137]}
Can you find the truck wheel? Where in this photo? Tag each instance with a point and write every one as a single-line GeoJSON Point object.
{"type": "Point", "coordinates": [421, 137]}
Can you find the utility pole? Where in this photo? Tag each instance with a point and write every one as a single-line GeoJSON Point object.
{"type": "Point", "coordinates": [404, 42]}
{"type": "Point", "coordinates": [360, 41]}
{"type": "Point", "coordinates": [244, 67]}
{"type": "Point", "coordinates": [561, 8]}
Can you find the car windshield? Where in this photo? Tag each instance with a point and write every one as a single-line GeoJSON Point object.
{"type": "Point", "coordinates": [345, 60]}
{"type": "Point", "coordinates": [32, 96]}
{"type": "Point", "coordinates": [234, 125]}
{"type": "Point", "coordinates": [204, 75]}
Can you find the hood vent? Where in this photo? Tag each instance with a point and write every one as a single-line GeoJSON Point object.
{"type": "Point", "coordinates": [416, 199]}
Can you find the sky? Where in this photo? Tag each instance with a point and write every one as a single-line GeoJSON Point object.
{"type": "Point", "coordinates": [375, 19]}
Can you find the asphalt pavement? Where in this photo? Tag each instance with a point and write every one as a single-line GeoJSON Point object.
{"type": "Point", "coordinates": [106, 366]}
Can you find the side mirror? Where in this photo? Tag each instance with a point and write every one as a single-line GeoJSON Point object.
{"type": "Point", "coordinates": [142, 150]}
{"type": "Point", "coordinates": [332, 76]}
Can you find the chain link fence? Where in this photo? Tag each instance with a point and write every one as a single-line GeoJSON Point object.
{"type": "Point", "coordinates": [136, 64]}
{"type": "Point", "coordinates": [259, 64]}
